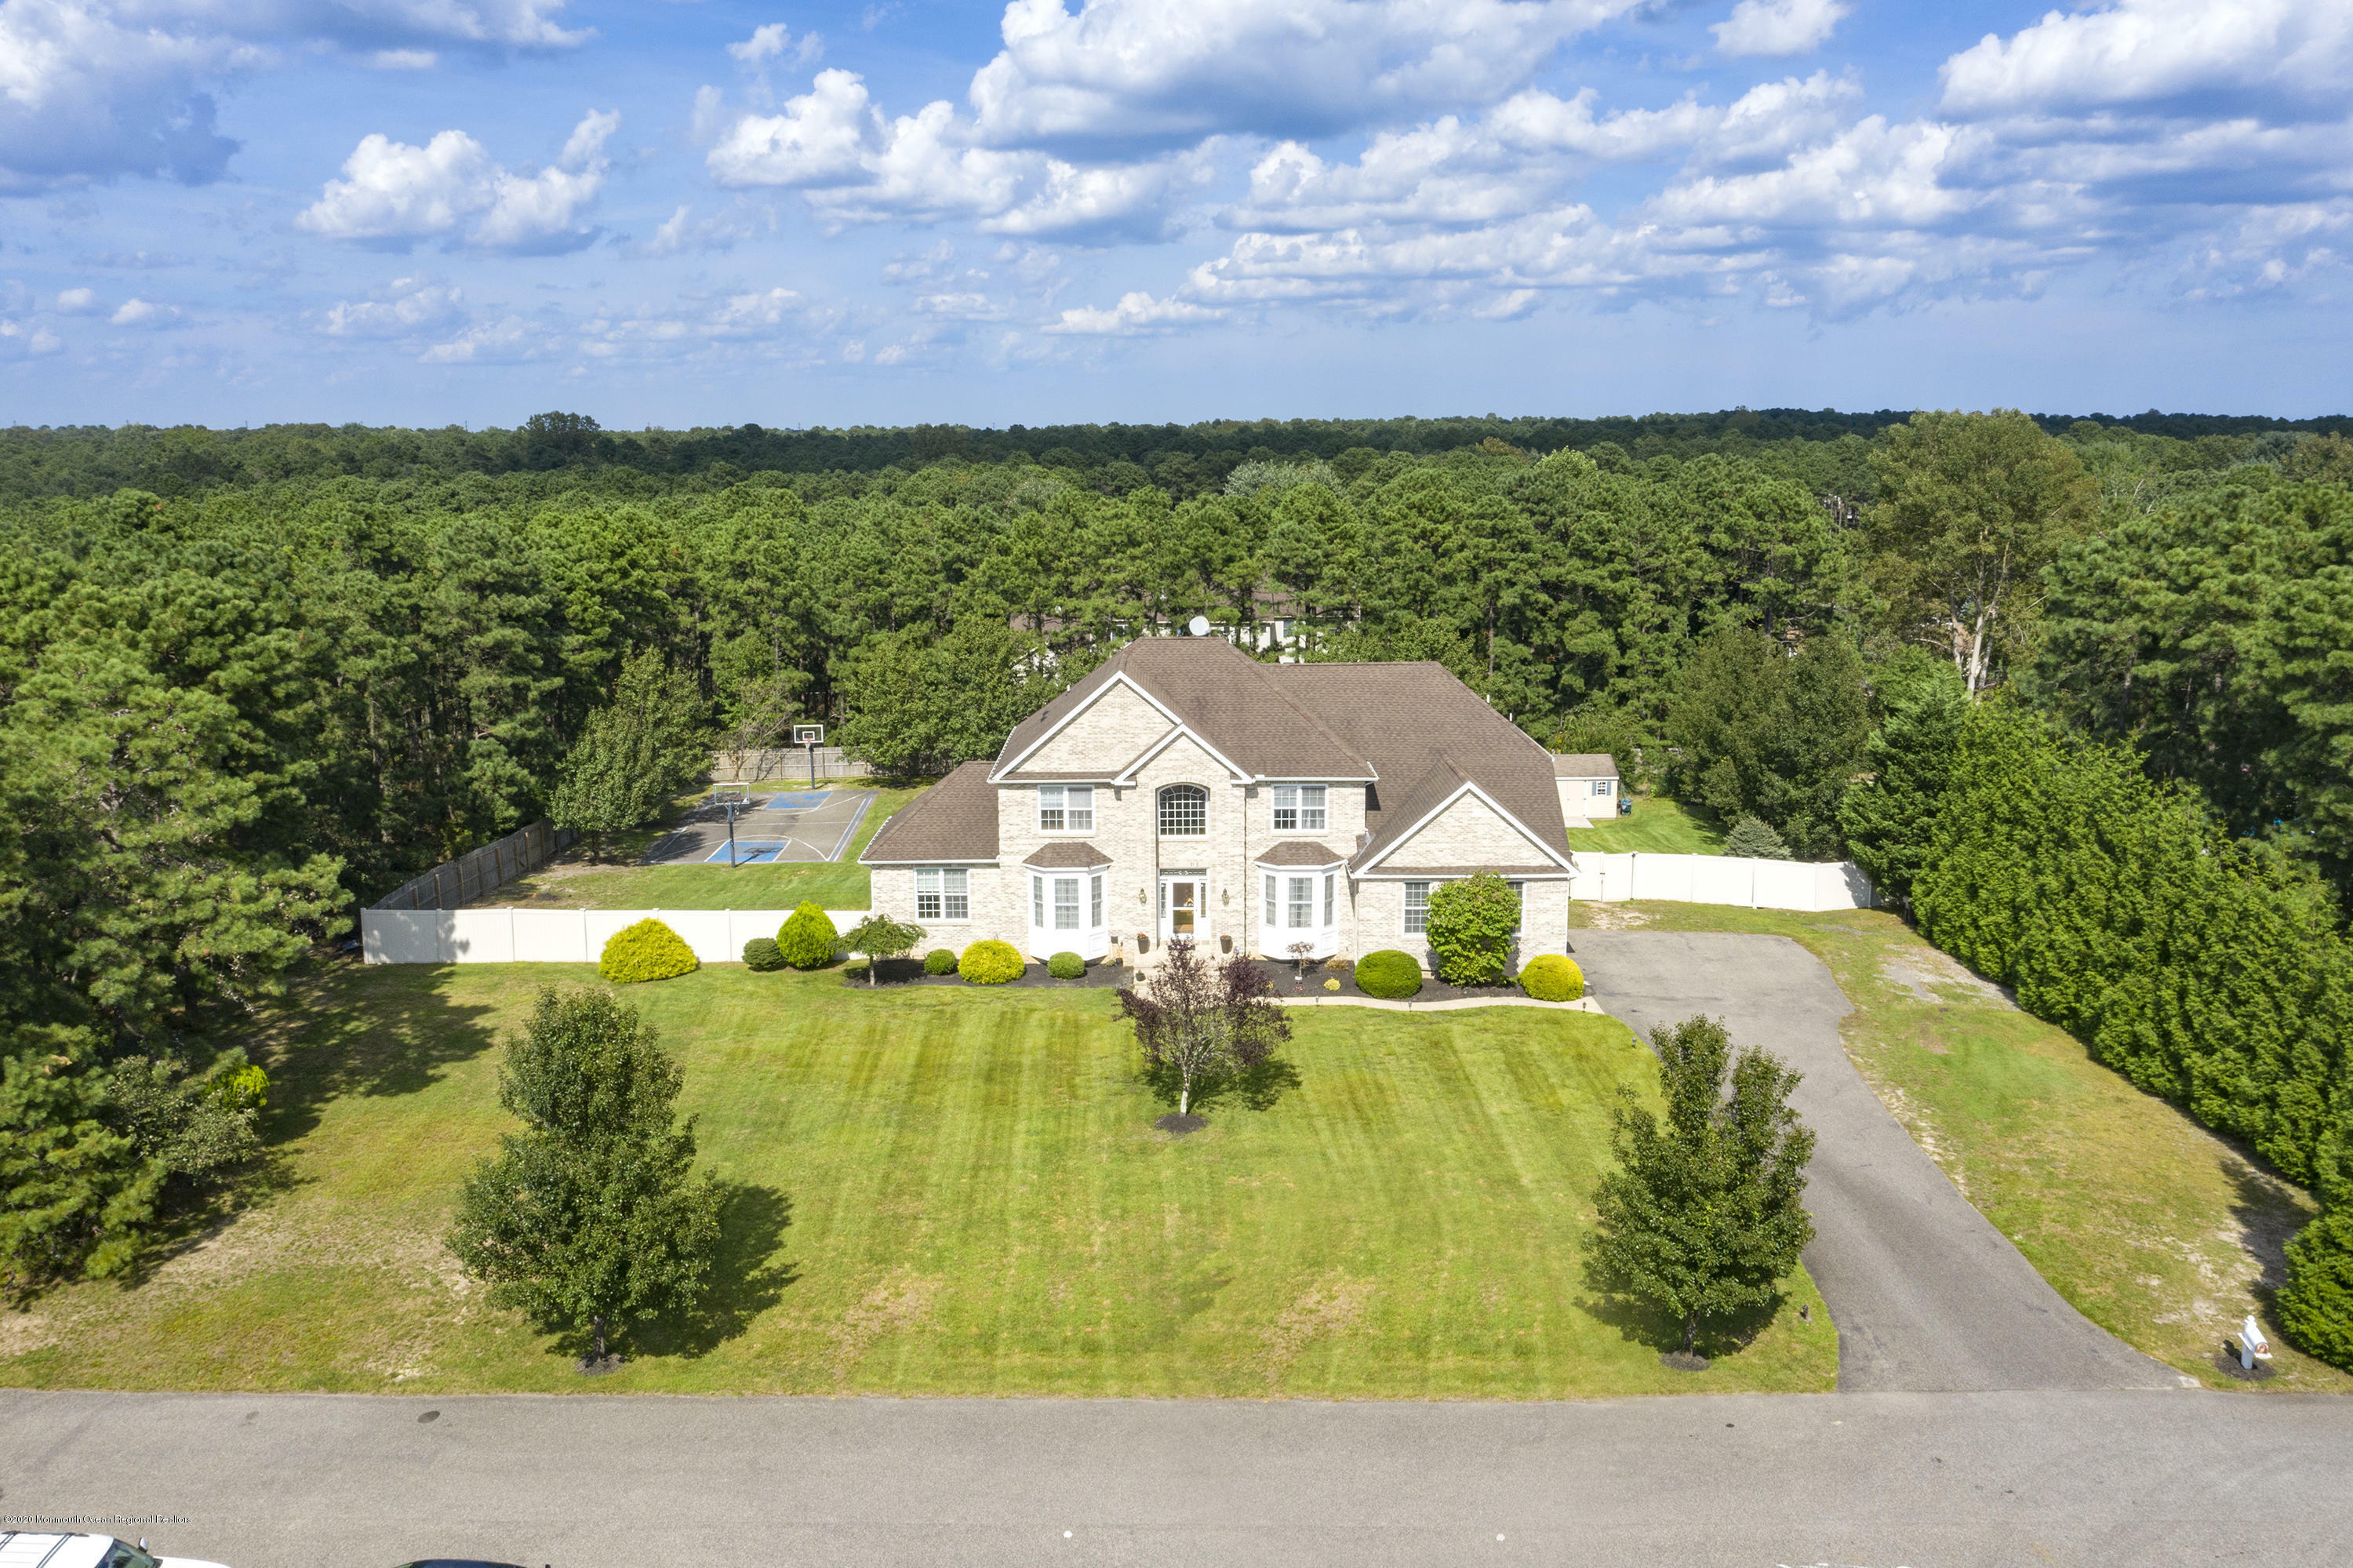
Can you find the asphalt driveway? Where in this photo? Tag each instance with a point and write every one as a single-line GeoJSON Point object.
{"type": "Point", "coordinates": [1925, 1293]}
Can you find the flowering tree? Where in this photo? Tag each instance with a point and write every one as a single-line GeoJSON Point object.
{"type": "Point", "coordinates": [1202, 1020]}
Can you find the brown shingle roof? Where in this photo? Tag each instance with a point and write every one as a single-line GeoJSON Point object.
{"type": "Point", "coordinates": [1223, 695]}
{"type": "Point", "coordinates": [954, 820]}
{"type": "Point", "coordinates": [1066, 854]}
{"type": "Point", "coordinates": [1584, 765]}
{"type": "Point", "coordinates": [1300, 852]}
{"type": "Point", "coordinates": [1425, 734]}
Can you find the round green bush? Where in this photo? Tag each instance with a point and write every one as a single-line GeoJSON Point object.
{"type": "Point", "coordinates": [763, 954]}
{"type": "Point", "coordinates": [648, 950]}
{"type": "Point", "coordinates": [1549, 977]}
{"type": "Point", "coordinates": [1389, 974]}
{"type": "Point", "coordinates": [1067, 966]}
{"type": "Point", "coordinates": [807, 939]}
{"type": "Point", "coordinates": [990, 963]}
{"type": "Point", "coordinates": [940, 962]}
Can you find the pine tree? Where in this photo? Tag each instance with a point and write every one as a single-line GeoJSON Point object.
{"type": "Point", "coordinates": [634, 753]}
{"type": "Point", "coordinates": [589, 1218]}
{"type": "Point", "coordinates": [1705, 1215]}
{"type": "Point", "coordinates": [1753, 840]}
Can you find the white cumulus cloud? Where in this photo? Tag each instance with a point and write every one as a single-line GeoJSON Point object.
{"type": "Point", "coordinates": [393, 195]}
{"type": "Point", "coordinates": [2152, 52]}
{"type": "Point", "coordinates": [405, 307]}
{"type": "Point", "coordinates": [1136, 315]}
{"type": "Point", "coordinates": [1778, 26]}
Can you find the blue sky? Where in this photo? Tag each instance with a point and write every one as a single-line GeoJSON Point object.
{"type": "Point", "coordinates": [434, 211]}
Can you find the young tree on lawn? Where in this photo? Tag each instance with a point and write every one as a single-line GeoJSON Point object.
{"type": "Point", "coordinates": [590, 1217]}
{"type": "Point", "coordinates": [1201, 1021]}
{"type": "Point", "coordinates": [879, 936]}
{"type": "Point", "coordinates": [1703, 1217]}
{"type": "Point", "coordinates": [1472, 925]}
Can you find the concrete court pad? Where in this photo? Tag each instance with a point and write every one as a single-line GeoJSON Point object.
{"type": "Point", "coordinates": [1925, 1293]}
{"type": "Point", "coordinates": [1922, 1480]}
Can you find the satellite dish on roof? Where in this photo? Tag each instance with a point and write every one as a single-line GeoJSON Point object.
{"type": "Point", "coordinates": [1198, 626]}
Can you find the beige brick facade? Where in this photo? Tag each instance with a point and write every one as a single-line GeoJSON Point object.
{"type": "Point", "coordinates": [1115, 726]}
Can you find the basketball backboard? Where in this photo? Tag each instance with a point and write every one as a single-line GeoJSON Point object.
{"type": "Point", "coordinates": [808, 735]}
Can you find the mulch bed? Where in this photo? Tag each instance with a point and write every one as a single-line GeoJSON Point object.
{"type": "Point", "coordinates": [1108, 977]}
{"type": "Point", "coordinates": [1676, 1360]}
{"type": "Point", "coordinates": [1181, 1125]}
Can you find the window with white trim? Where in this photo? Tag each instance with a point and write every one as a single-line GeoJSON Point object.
{"type": "Point", "coordinates": [1520, 892]}
{"type": "Point", "coordinates": [942, 893]}
{"type": "Point", "coordinates": [1301, 808]}
{"type": "Point", "coordinates": [1066, 807]}
{"type": "Point", "coordinates": [1417, 908]}
{"type": "Point", "coordinates": [1038, 903]}
{"type": "Point", "coordinates": [1094, 902]}
{"type": "Point", "coordinates": [1329, 877]}
{"type": "Point", "coordinates": [1602, 786]}
{"type": "Point", "coordinates": [1302, 903]}
{"type": "Point", "coordinates": [1066, 904]}
{"type": "Point", "coordinates": [1184, 811]}
{"type": "Point", "coordinates": [1268, 903]}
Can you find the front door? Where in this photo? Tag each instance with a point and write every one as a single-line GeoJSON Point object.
{"type": "Point", "coordinates": [1180, 908]}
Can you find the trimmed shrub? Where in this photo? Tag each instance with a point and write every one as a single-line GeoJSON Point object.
{"type": "Point", "coordinates": [2317, 1307]}
{"type": "Point", "coordinates": [940, 962]}
{"type": "Point", "coordinates": [1067, 966]}
{"type": "Point", "coordinates": [1549, 977]}
{"type": "Point", "coordinates": [648, 950]}
{"type": "Point", "coordinates": [1389, 974]}
{"type": "Point", "coordinates": [807, 939]}
{"type": "Point", "coordinates": [991, 963]}
{"type": "Point", "coordinates": [1472, 925]}
{"type": "Point", "coordinates": [763, 954]}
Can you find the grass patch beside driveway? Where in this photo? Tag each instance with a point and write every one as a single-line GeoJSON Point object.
{"type": "Point", "coordinates": [2152, 1227]}
{"type": "Point", "coordinates": [936, 1191]}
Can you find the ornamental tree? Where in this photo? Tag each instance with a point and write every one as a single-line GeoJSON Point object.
{"type": "Point", "coordinates": [879, 936]}
{"type": "Point", "coordinates": [1703, 1217]}
{"type": "Point", "coordinates": [590, 1216]}
{"type": "Point", "coordinates": [1472, 928]}
{"type": "Point", "coordinates": [1202, 1020]}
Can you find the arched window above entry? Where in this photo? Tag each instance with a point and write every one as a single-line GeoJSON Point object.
{"type": "Point", "coordinates": [1184, 811]}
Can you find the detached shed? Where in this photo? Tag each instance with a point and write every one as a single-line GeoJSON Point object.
{"type": "Point", "coordinates": [1589, 787]}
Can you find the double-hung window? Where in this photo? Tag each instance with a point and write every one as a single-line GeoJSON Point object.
{"type": "Point", "coordinates": [1303, 903]}
{"type": "Point", "coordinates": [1270, 901]}
{"type": "Point", "coordinates": [942, 893]}
{"type": "Point", "coordinates": [1417, 908]}
{"type": "Point", "coordinates": [1066, 904]}
{"type": "Point", "coordinates": [1066, 807]}
{"type": "Point", "coordinates": [1520, 892]}
{"type": "Point", "coordinates": [1301, 808]}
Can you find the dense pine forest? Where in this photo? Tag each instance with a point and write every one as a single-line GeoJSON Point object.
{"type": "Point", "coordinates": [249, 678]}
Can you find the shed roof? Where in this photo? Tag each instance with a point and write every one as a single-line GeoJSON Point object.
{"type": "Point", "coordinates": [1584, 765]}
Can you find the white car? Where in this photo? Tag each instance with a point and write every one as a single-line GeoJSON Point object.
{"type": "Point", "coordinates": [28, 1549]}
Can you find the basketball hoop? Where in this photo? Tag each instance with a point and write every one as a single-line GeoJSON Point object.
{"type": "Point", "coordinates": [809, 736]}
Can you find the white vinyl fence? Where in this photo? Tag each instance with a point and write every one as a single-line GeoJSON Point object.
{"type": "Point", "coordinates": [557, 936]}
{"type": "Point", "coordinates": [1720, 879]}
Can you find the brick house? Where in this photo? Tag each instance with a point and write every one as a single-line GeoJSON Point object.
{"type": "Point", "coordinates": [1185, 790]}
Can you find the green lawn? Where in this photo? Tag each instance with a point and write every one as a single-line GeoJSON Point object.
{"type": "Point", "coordinates": [2153, 1227]}
{"type": "Point", "coordinates": [942, 1192]}
{"type": "Point", "coordinates": [576, 883]}
{"type": "Point", "coordinates": [1659, 826]}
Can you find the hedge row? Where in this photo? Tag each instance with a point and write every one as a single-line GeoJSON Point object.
{"type": "Point", "coordinates": [2207, 969]}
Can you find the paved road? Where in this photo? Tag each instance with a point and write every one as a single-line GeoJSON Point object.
{"type": "Point", "coordinates": [1923, 1480]}
{"type": "Point", "coordinates": [1925, 1293]}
